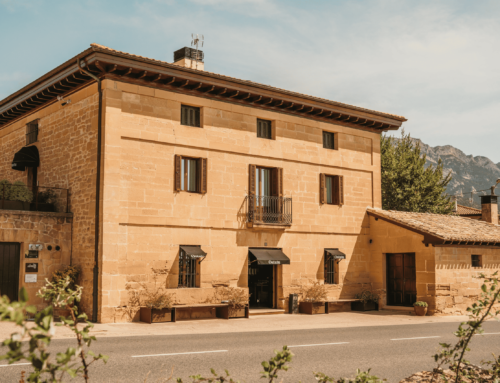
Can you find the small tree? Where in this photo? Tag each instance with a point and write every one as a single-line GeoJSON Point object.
{"type": "Point", "coordinates": [406, 184]}
{"type": "Point", "coordinates": [74, 362]}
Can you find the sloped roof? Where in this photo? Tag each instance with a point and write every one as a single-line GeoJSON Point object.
{"type": "Point", "coordinates": [105, 48]}
{"type": "Point", "coordinates": [441, 228]}
{"type": "Point", "coordinates": [466, 210]}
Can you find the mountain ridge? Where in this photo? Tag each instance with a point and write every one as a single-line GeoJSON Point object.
{"type": "Point", "coordinates": [469, 173]}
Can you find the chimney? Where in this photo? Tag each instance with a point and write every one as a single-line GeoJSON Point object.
{"type": "Point", "coordinates": [189, 58]}
{"type": "Point", "coordinates": [489, 208]}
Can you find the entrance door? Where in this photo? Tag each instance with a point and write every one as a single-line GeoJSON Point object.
{"type": "Point", "coordinates": [260, 284]}
{"type": "Point", "coordinates": [401, 280]}
{"type": "Point", "coordinates": [9, 269]}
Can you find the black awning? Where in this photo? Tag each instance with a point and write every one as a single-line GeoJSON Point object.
{"type": "Point", "coordinates": [335, 253]}
{"type": "Point", "coordinates": [270, 256]}
{"type": "Point", "coordinates": [27, 157]}
{"type": "Point", "coordinates": [193, 251]}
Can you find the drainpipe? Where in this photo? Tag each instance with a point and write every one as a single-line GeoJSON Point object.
{"type": "Point", "coordinates": [95, 281]}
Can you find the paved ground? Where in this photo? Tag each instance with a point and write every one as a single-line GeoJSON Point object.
{"type": "Point", "coordinates": [393, 352]}
{"type": "Point", "coordinates": [256, 323]}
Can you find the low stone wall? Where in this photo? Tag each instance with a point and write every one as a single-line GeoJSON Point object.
{"type": "Point", "coordinates": [27, 227]}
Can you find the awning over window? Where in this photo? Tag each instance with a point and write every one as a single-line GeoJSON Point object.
{"type": "Point", "coordinates": [336, 254]}
{"type": "Point", "coordinates": [270, 256]}
{"type": "Point", "coordinates": [27, 157]}
{"type": "Point", "coordinates": [194, 252]}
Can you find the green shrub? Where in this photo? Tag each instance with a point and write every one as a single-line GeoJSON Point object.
{"type": "Point", "coordinates": [5, 187]}
{"type": "Point", "coordinates": [72, 272]}
{"type": "Point", "coordinates": [421, 304]}
{"type": "Point", "coordinates": [367, 296]}
{"type": "Point", "coordinates": [20, 192]}
{"type": "Point", "coordinates": [47, 196]}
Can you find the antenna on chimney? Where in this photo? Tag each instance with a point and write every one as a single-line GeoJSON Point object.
{"type": "Point", "coordinates": [195, 42]}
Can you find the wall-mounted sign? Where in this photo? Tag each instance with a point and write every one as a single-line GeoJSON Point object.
{"type": "Point", "coordinates": [31, 267]}
{"type": "Point", "coordinates": [30, 278]}
{"type": "Point", "coordinates": [31, 254]}
{"type": "Point", "coordinates": [36, 246]}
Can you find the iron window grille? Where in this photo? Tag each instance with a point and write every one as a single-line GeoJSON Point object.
{"type": "Point", "coordinates": [32, 132]}
{"type": "Point", "coordinates": [190, 116]}
{"type": "Point", "coordinates": [476, 260]}
{"type": "Point", "coordinates": [187, 270]}
{"type": "Point", "coordinates": [329, 270]}
{"type": "Point", "coordinates": [328, 140]}
{"type": "Point", "coordinates": [264, 129]}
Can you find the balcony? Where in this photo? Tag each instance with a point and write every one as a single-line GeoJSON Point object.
{"type": "Point", "coordinates": [269, 211]}
{"type": "Point", "coordinates": [17, 196]}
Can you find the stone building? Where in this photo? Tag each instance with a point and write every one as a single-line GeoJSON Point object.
{"type": "Point", "coordinates": [432, 257]}
{"type": "Point", "coordinates": [220, 181]}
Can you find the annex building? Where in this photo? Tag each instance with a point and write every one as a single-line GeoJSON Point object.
{"type": "Point", "coordinates": [137, 164]}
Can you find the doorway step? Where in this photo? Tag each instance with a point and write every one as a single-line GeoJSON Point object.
{"type": "Point", "coordinates": [266, 311]}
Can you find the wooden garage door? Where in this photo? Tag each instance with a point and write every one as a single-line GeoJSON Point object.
{"type": "Point", "coordinates": [9, 269]}
{"type": "Point", "coordinates": [401, 280]}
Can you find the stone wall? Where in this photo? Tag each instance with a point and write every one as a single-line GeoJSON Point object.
{"type": "Point", "coordinates": [145, 221]}
{"type": "Point", "coordinates": [456, 287]}
{"type": "Point", "coordinates": [42, 228]}
{"type": "Point", "coordinates": [67, 143]}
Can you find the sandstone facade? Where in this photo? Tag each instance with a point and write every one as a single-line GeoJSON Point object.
{"type": "Point", "coordinates": [67, 142]}
{"type": "Point", "coordinates": [47, 229]}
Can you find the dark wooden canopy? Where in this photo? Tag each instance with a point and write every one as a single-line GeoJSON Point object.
{"type": "Point", "coordinates": [115, 65]}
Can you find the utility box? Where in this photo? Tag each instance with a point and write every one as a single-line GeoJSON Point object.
{"type": "Point", "coordinates": [293, 304]}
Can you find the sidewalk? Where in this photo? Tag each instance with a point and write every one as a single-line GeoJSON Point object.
{"type": "Point", "coordinates": [281, 322]}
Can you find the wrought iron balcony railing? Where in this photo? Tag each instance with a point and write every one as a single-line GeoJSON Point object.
{"type": "Point", "coordinates": [270, 210]}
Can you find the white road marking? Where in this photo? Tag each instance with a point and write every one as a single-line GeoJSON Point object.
{"type": "Point", "coordinates": [179, 353]}
{"type": "Point", "coordinates": [421, 337]}
{"type": "Point", "coordinates": [12, 365]}
{"type": "Point", "coordinates": [319, 344]}
{"type": "Point", "coordinates": [489, 333]}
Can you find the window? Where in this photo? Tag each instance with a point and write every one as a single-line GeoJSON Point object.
{"type": "Point", "coordinates": [191, 174]}
{"type": "Point", "coordinates": [264, 129]}
{"type": "Point", "coordinates": [329, 269]}
{"type": "Point", "coordinates": [190, 116]}
{"type": "Point", "coordinates": [328, 140]}
{"type": "Point", "coordinates": [331, 189]}
{"type": "Point", "coordinates": [32, 132]}
{"type": "Point", "coordinates": [187, 269]}
{"type": "Point", "coordinates": [476, 260]}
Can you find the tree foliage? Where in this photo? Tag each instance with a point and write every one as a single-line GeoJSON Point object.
{"type": "Point", "coordinates": [406, 184]}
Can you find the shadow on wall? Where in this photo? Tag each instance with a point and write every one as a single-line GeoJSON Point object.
{"type": "Point", "coordinates": [357, 276]}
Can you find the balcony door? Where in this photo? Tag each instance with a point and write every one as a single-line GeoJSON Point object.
{"type": "Point", "coordinates": [262, 193]}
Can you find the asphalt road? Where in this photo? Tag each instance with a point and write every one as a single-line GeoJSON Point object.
{"type": "Point", "coordinates": [392, 352]}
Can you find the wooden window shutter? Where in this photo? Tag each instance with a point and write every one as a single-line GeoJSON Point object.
{"type": "Point", "coordinates": [338, 190]}
{"type": "Point", "coordinates": [322, 188]}
{"type": "Point", "coordinates": [341, 190]}
{"type": "Point", "coordinates": [277, 182]}
{"type": "Point", "coordinates": [177, 173]}
{"type": "Point", "coordinates": [203, 166]}
{"type": "Point", "coordinates": [197, 117]}
{"type": "Point", "coordinates": [251, 179]}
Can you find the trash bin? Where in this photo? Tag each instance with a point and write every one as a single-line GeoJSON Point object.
{"type": "Point", "coordinates": [293, 304]}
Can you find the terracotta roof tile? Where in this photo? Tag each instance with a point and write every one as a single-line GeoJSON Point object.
{"type": "Point", "coordinates": [446, 227]}
{"type": "Point", "coordinates": [105, 48]}
{"type": "Point", "coordinates": [466, 210]}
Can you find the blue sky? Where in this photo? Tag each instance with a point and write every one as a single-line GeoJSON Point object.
{"type": "Point", "coordinates": [434, 62]}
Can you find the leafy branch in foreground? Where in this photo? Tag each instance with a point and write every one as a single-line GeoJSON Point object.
{"type": "Point", "coordinates": [40, 335]}
{"type": "Point", "coordinates": [478, 313]}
